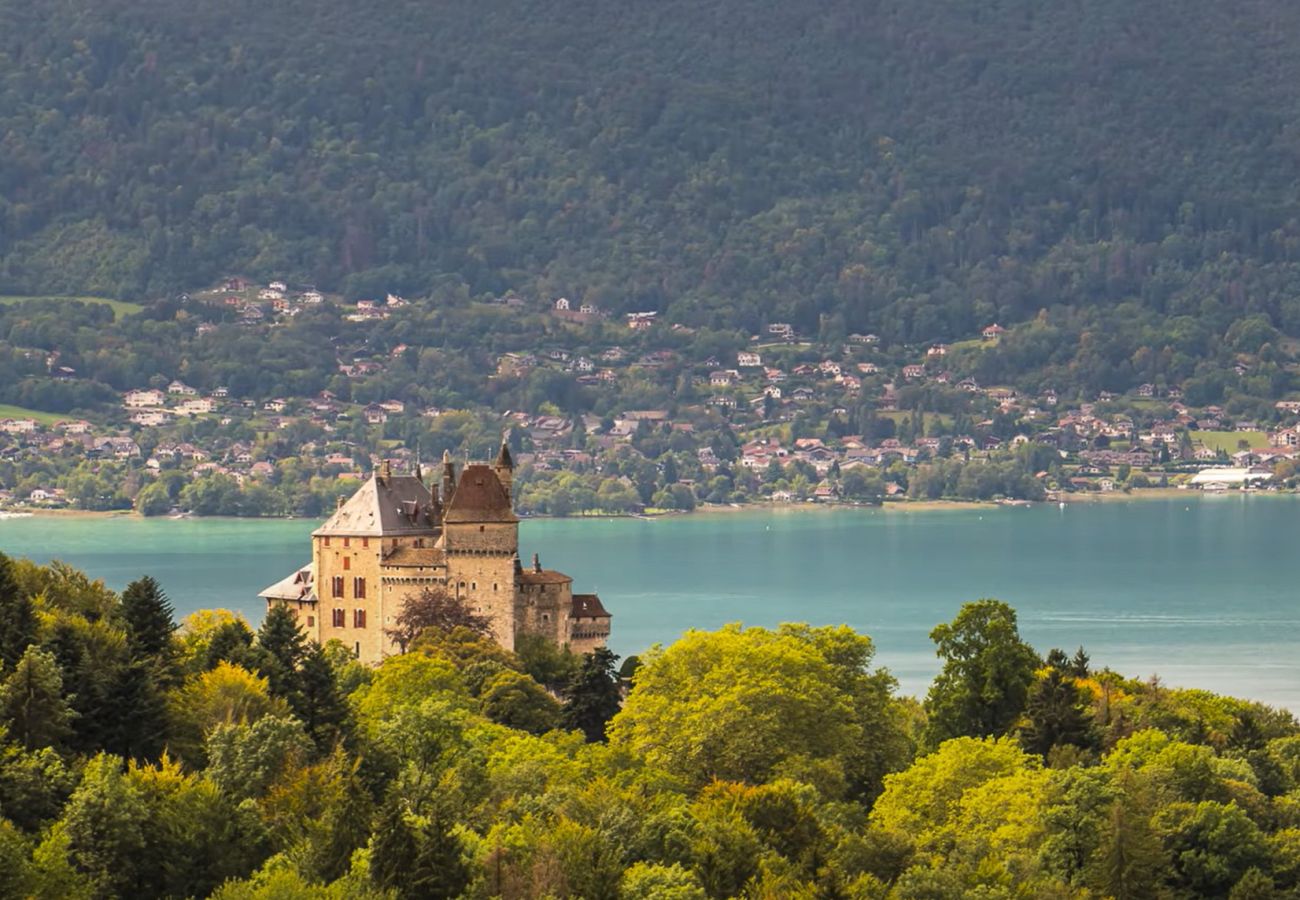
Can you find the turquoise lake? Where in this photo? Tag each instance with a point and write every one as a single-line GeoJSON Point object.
{"type": "Point", "coordinates": [1200, 590]}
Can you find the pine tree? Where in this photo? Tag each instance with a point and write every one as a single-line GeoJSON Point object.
{"type": "Point", "coordinates": [17, 618]}
{"type": "Point", "coordinates": [284, 646]}
{"type": "Point", "coordinates": [393, 848]}
{"type": "Point", "coordinates": [137, 724]}
{"type": "Point", "coordinates": [32, 702]}
{"type": "Point", "coordinates": [317, 701]}
{"type": "Point", "coordinates": [1057, 714]}
{"type": "Point", "coordinates": [149, 619]}
{"type": "Point", "coordinates": [440, 871]}
{"type": "Point", "coordinates": [592, 698]}
{"type": "Point", "coordinates": [417, 861]}
{"type": "Point", "coordinates": [1129, 863]}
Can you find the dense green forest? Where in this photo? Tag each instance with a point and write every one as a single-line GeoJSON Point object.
{"type": "Point", "coordinates": [916, 168]}
{"type": "Point", "coordinates": [142, 760]}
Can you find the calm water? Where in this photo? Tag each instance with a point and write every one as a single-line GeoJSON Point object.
{"type": "Point", "coordinates": [1201, 590]}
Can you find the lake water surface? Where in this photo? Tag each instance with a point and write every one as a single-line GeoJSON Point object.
{"type": "Point", "coordinates": [1201, 590]}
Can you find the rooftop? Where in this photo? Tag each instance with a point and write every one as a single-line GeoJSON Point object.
{"type": "Point", "coordinates": [480, 497]}
{"type": "Point", "coordinates": [383, 506]}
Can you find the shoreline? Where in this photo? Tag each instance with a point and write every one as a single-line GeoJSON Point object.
{"type": "Point", "coordinates": [889, 506]}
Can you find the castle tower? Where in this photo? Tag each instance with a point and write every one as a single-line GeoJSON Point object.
{"type": "Point", "coordinates": [480, 537]}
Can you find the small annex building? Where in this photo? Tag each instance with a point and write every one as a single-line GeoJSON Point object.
{"type": "Point", "coordinates": [395, 537]}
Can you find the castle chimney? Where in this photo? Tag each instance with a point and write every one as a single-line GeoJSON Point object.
{"type": "Point", "coordinates": [448, 478]}
{"type": "Point", "coordinates": [338, 502]}
{"type": "Point", "coordinates": [505, 468]}
{"type": "Point", "coordinates": [537, 563]}
{"type": "Point", "coordinates": [385, 473]}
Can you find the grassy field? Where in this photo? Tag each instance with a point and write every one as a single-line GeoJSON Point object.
{"type": "Point", "coordinates": [119, 307]}
{"type": "Point", "coordinates": [1227, 440]}
{"type": "Point", "coordinates": [898, 415]}
{"type": "Point", "coordinates": [17, 412]}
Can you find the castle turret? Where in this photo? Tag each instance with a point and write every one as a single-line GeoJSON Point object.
{"type": "Point", "coordinates": [505, 468]}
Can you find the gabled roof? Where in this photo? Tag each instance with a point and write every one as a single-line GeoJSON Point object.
{"type": "Point", "coordinates": [392, 505]}
{"type": "Point", "coordinates": [479, 497]}
{"type": "Point", "coordinates": [588, 606]}
{"type": "Point", "coordinates": [297, 586]}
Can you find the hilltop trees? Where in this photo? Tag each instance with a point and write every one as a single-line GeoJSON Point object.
{"type": "Point", "coordinates": [746, 704]}
{"type": "Point", "coordinates": [745, 762]}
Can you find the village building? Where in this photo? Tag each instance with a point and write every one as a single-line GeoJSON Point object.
{"type": "Point", "coordinates": [395, 538]}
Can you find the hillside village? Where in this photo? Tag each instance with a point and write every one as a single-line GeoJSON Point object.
{"type": "Point", "coordinates": [783, 417]}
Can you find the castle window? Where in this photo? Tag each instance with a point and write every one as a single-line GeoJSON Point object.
{"type": "Point", "coordinates": [347, 542]}
{"type": "Point", "coordinates": [481, 527]}
{"type": "Point", "coordinates": [359, 588]}
{"type": "Point", "coordinates": [546, 617]}
{"type": "Point", "coordinates": [327, 540]}
{"type": "Point", "coordinates": [356, 649]}
{"type": "Point", "coordinates": [419, 542]}
{"type": "Point", "coordinates": [473, 585]}
{"type": "Point", "coordinates": [365, 542]}
{"type": "Point", "coordinates": [339, 621]}
{"type": "Point", "coordinates": [494, 587]}
{"type": "Point", "coordinates": [347, 563]}
{"type": "Point", "coordinates": [358, 618]}
{"type": "Point", "coordinates": [336, 586]}
{"type": "Point", "coordinates": [311, 621]}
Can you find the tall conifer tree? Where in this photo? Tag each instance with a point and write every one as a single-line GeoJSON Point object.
{"type": "Point", "coordinates": [592, 698]}
{"type": "Point", "coordinates": [17, 618]}
{"type": "Point", "coordinates": [284, 646]}
{"type": "Point", "coordinates": [149, 617]}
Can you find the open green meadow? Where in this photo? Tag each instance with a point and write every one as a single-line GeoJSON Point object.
{"type": "Point", "coordinates": [1227, 441]}
{"type": "Point", "coordinates": [119, 307]}
{"type": "Point", "coordinates": [18, 412]}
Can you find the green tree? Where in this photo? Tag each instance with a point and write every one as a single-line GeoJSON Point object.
{"type": "Point", "coordinates": [149, 619]}
{"type": "Point", "coordinates": [317, 702]}
{"type": "Point", "coordinates": [1057, 713]}
{"type": "Point", "coordinates": [744, 703]}
{"type": "Point", "coordinates": [106, 822]}
{"type": "Point", "coordinates": [284, 645]}
{"type": "Point", "coordinates": [517, 701]}
{"type": "Point", "coordinates": [32, 702]}
{"type": "Point", "coordinates": [592, 696]}
{"type": "Point", "coordinates": [17, 618]}
{"type": "Point", "coordinates": [983, 686]}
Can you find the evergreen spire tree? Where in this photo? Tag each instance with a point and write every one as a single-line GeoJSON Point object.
{"type": "Point", "coordinates": [17, 618]}
{"type": "Point", "coordinates": [137, 725]}
{"type": "Point", "coordinates": [284, 646]}
{"type": "Point", "coordinates": [317, 701]}
{"type": "Point", "coordinates": [393, 848]}
{"type": "Point", "coordinates": [32, 702]}
{"type": "Point", "coordinates": [418, 861]}
{"type": "Point", "coordinates": [149, 619]}
{"type": "Point", "coordinates": [592, 697]}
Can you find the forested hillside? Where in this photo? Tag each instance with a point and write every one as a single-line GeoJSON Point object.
{"type": "Point", "coordinates": [914, 167]}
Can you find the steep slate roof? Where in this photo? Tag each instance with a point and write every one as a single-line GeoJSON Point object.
{"type": "Point", "coordinates": [395, 505]}
{"type": "Point", "coordinates": [297, 586]}
{"type": "Point", "coordinates": [479, 497]}
{"type": "Point", "coordinates": [588, 606]}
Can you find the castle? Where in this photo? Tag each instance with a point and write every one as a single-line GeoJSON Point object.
{"type": "Point", "coordinates": [395, 537]}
